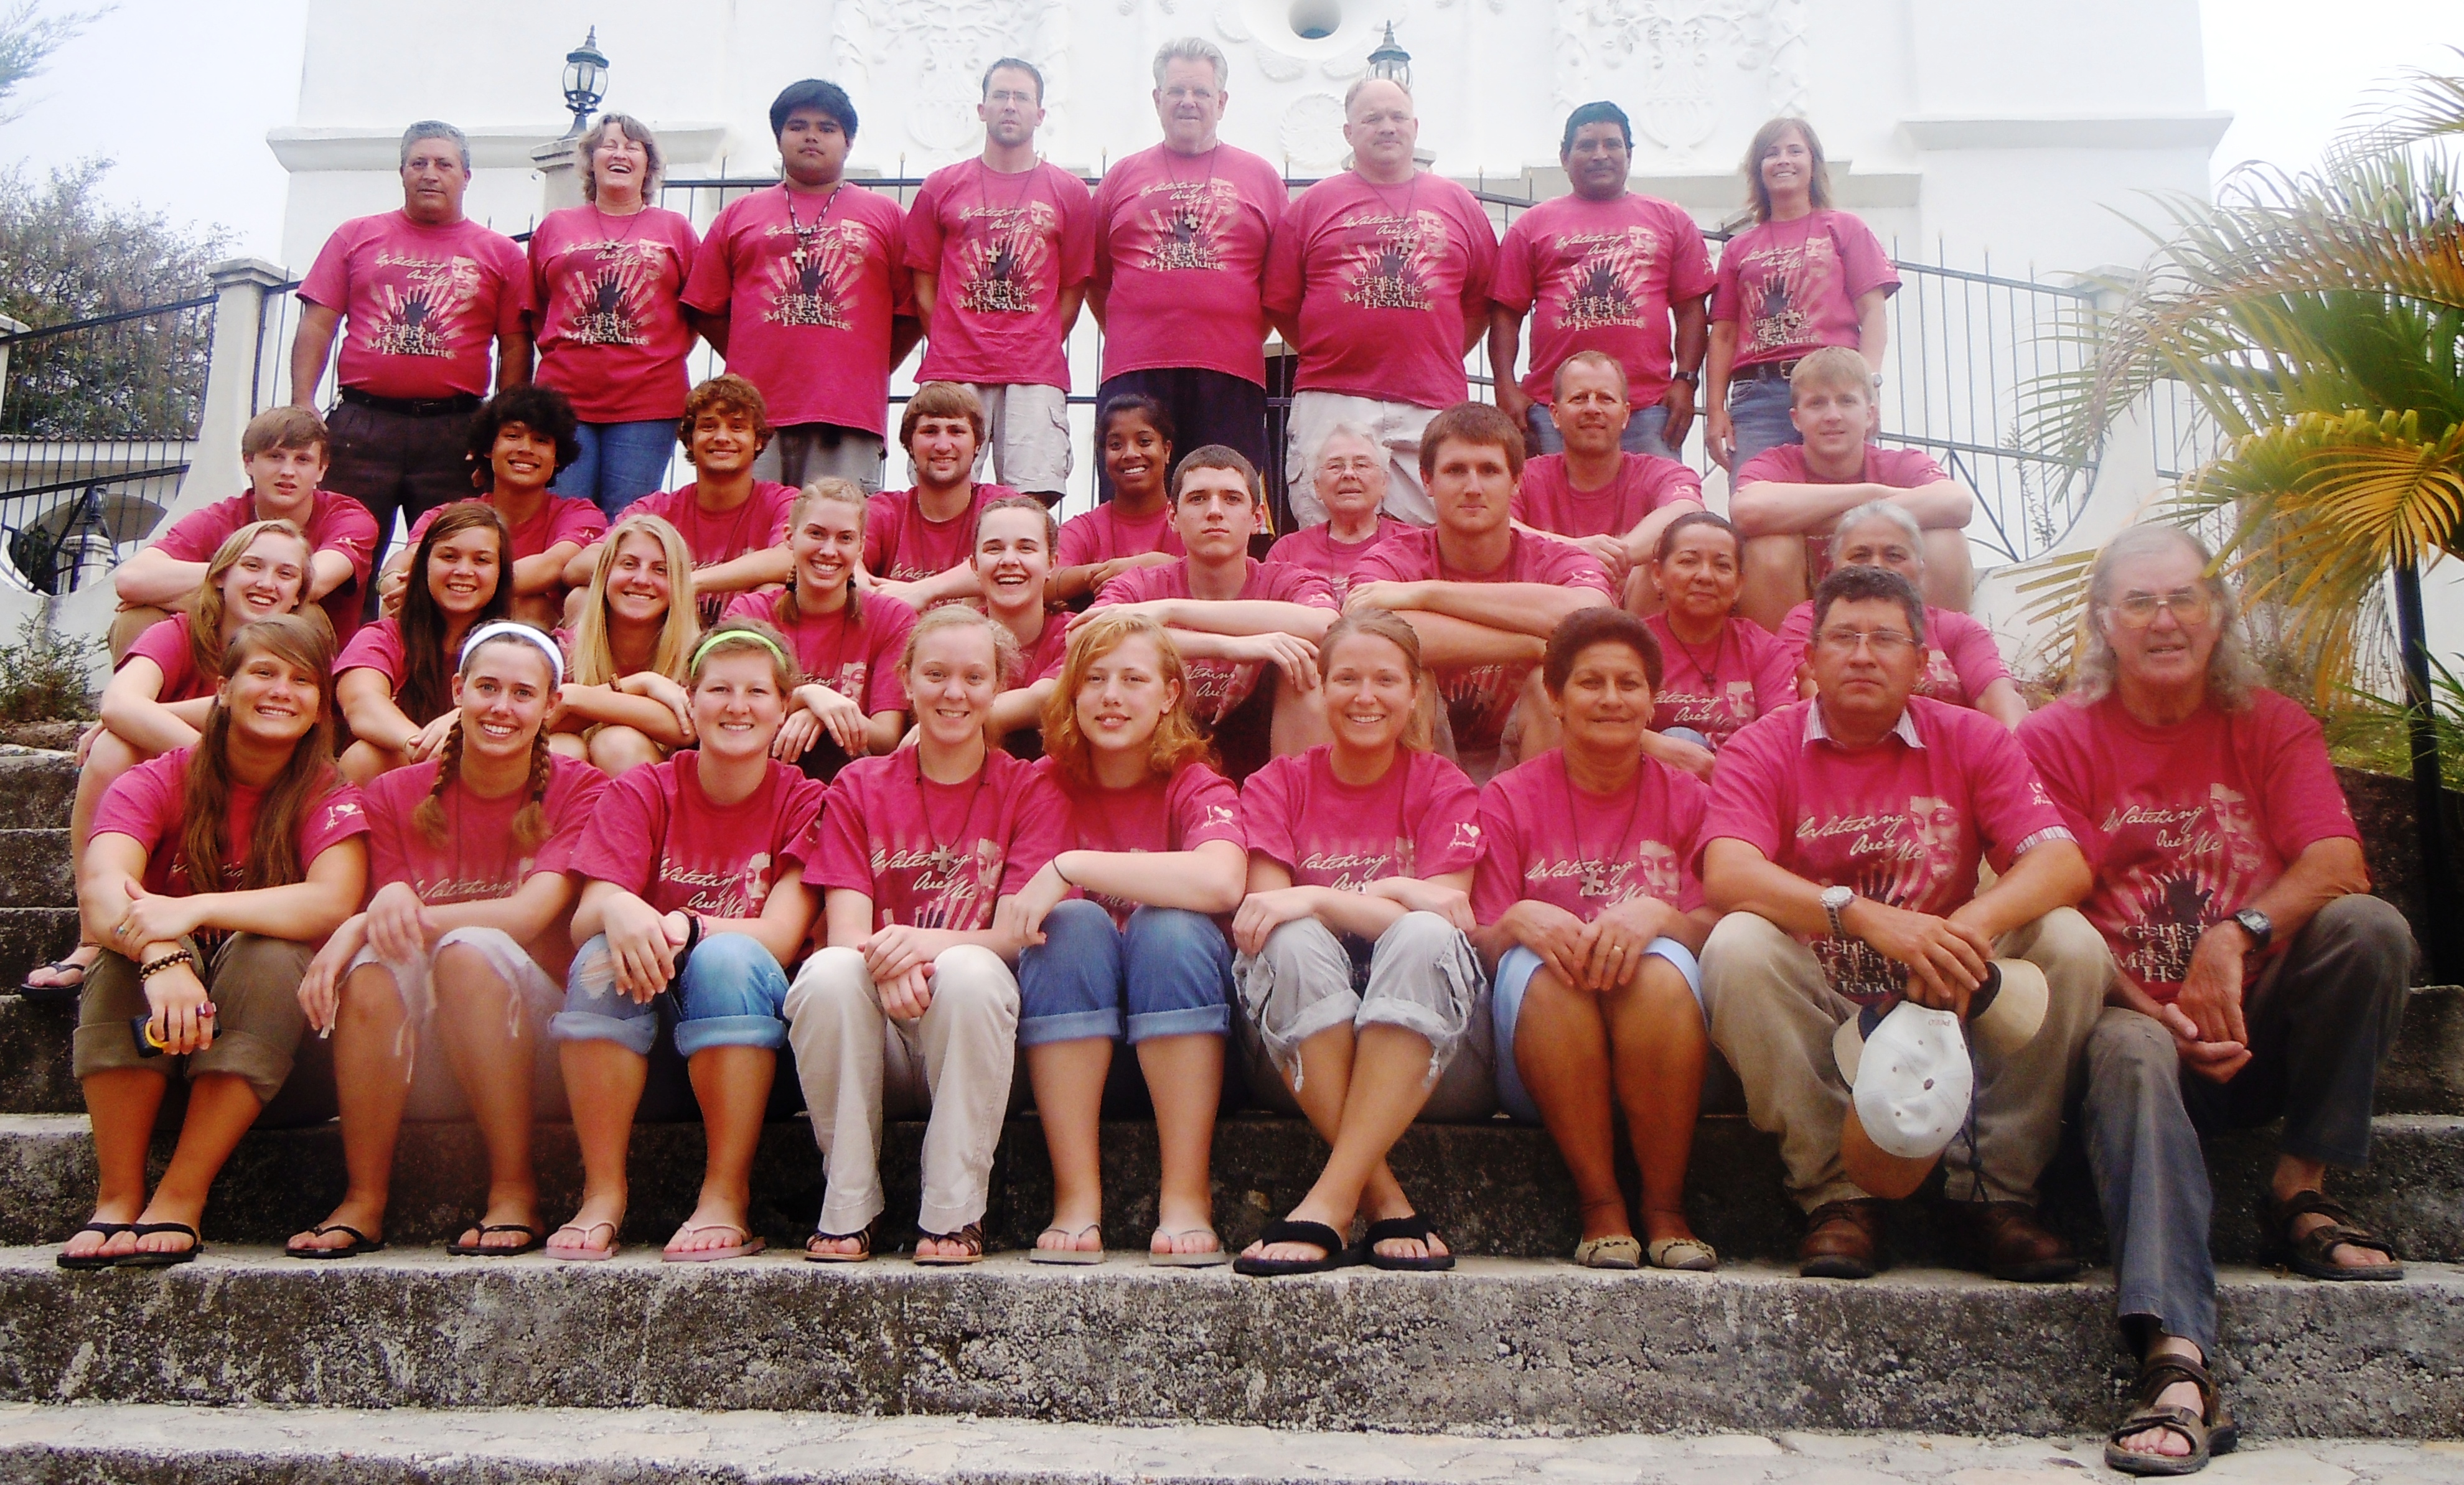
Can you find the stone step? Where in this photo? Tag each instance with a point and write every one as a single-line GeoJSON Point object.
{"type": "Point", "coordinates": [1495, 1188]}
{"type": "Point", "coordinates": [143, 1444]}
{"type": "Point", "coordinates": [34, 869]}
{"type": "Point", "coordinates": [36, 788]}
{"type": "Point", "coordinates": [1499, 1345]}
{"type": "Point", "coordinates": [32, 935]}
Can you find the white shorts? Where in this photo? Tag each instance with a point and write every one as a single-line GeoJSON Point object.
{"type": "Point", "coordinates": [1028, 445]}
{"type": "Point", "coordinates": [435, 1093]}
{"type": "Point", "coordinates": [1397, 427]}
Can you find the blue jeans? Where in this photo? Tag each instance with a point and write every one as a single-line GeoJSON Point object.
{"type": "Point", "coordinates": [1170, 966]}
{"type": "Point", "coordinates": [620, 463]}
{"type": "Point", "coordinates": [1643, 429]}
{"type": "Point", "coordinates": [1514, 970]}
{"type": "Point", "coordinates": [729, 994]}
{"type": "Point", "coordinates": [1758, 412]}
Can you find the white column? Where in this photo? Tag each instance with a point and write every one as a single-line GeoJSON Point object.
{"type": "Point", "coordinates": [560, 183]}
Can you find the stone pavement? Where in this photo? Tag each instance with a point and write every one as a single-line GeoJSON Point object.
{"type": "Point", "coordinates": [160, 1444]}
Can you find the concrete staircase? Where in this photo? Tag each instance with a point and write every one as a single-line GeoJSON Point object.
{"type": "Point", "coordinates": [1515, 1342]}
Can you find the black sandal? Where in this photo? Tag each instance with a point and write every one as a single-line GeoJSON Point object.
{"type": "Point", "coordinates": [1317, 1234]}
{"type": "Point", "coordinates": [360, 1242]}
{"type": "Point", "coordinates": [970, 1239]}
{"type": "Point", "coordinates": [863, 1245]}
{"type": "Point", "coordinates": [146, 1259]}
{"type": "Point", "coordinates": [2210, 1431]}
{"type": "Point", "coordinates": [2310, 1252]}
{"type": "Point", "coordinates": [533, 1241]}
{"type": "Point", "coordinates": [57, 995]}
{"type": "Point", "coordinates": [1415, 1228]}
{"type": "Point", "coordinates": [86, 1263]}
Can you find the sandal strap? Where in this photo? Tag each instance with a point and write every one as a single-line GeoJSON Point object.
{"type": "Point", "coordinates": [2192, 1427]}
{"type": "Point", "coordinates": [1387, 1229]}
{"type": "Point", "coordinates": [2305, 1202]}
{"type": "Point", "coordinates": [971, 1237]}
{"type": "Point", "coordinates": [1316, 1235]}
{"type": "Point", "coordinates": [2157, 1373]}
{"type": "Point", "coordinates": [862, 1239]}
{"type": "Point", "coordinates": [2320, 1242]}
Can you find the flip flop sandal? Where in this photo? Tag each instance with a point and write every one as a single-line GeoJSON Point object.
{"type": "Point", "coordinates": [1317, 1234]}
{"type": "Point", "coordinates": [55, 994]}
{"type": "Point", "coordinates": [533, 1240]}
{"type": "Point", "coordinates": [1685, 1255]}
{"type": "Point", "coordinates": [1414, 1227]}
{"type": "Point", "coordinates": [86, 1263]}
{"type": "Point", "coordinates": [1620, 1250]}
{"type": "Point", "coordinates": [745, 1246]}
{"type": "Point", "coordinates": [583, 1253]}
{"type": "Point", "coordinates": [1073, 1253]}
{"type": "Point", "coordinates": [2310, 1252]}
{"type": "Point", "coordinates": [861, 1253]}
{"type": "Point", "coordinates": [360, 1242]}
{"type": "Point", "coordinates": [971, 1239]}
{"type": "Point", "coordinates": [1202, 1258]}
{"type": "Point", "coordinates": [2210, 1431]}
{"type": "Point", "coordinates": [145, 1259]}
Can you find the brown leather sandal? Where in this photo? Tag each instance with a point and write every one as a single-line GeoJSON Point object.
{"type": "Point", "coordinates": [2311, 1253]}
{"type": "Point", "coordinates": [970, 1238]}
{"type": "Point", "coordinates": [2210, 1431]}
{"type": "Point", "coordinates": [862, 1246]}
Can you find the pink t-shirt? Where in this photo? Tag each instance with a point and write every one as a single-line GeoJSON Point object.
{"type": "Point", "coordinates": [1479, 698]}
{"type": "Point", "coordinates": [335, 523]}
{"type": "Point", "coordinates": [2184, 825]}
{"type": "Point", "coordinates": [376, 648]}
{"type": "Point", "coordinates": [1104, 535]}
{"type": "Point", "coordinates": [1719, 687]}
{"type": "Point", "coordinates": [1316, 548]}
{"type": "Point", "coordinates": [422, 307]}
{"type": "Point", "coordinates": [1961, 657]}
{"type": "Point", "coordinates": [1216, 687]}
{"type": "Point", "coordinates": [1050, 652]}
{"type": "Point", "coordinates": [1792, 287]}
{"type": "Point", "coordinates": [656, 835]}
{"type": "Point", "coordinates": [901, 544]}
{"type": "Point", "coordinates": [1901, 823]}
{"type": "Point", "coordinates": [1180, 252]}
{"type": "Point", "coordinates": [860, 662]}
{"type": "Point", "coordinates": [1421, 821]}
{"type": "Point", "coordinates": [1183, 813]}
{"type": "Point", "coordinates": [479, 859]}
{"type": "Point", "coordinates": [714, 537]}
{"type": "Point", "coordinates": [559, 518]}
{"type": "Point", "coordinates": [1602, 275]}
{"type": "Point", "coordinates": [612, 335]}
{"type": "Point", "coordinates": [1542, 839]}
{"type": "Point", "coordinates": [1384, 280]}
{"type": "Point", "coordinates": [1005, 248]}
{"type": "Point", "coordinates": [936, 856]}
{"type": "Point", "coordinates": [808, 285]}
{"type": "Point", "coordinates": [1547, 500]}
{"type": "Point", "coordinates": [149, 804]}
{"type": "Point", "coordinates": [167, 644]}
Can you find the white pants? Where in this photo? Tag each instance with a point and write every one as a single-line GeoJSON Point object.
{"type": "Point", "coordinates": [1027, 445]}
{"type": "Point", "coordinates": [954, 1061]}
{"type": "Point", "coordinates": [1397, 426]}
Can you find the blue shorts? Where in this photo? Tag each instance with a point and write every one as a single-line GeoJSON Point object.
{"type": "Point", "coordinates": [1514, 970]}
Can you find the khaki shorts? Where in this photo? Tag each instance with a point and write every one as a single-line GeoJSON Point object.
{"type": "Point", "coordinates": [253, 983]}
{"type": "Point", "coordinates": [1028, 446]}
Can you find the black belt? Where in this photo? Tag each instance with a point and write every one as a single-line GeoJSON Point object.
{"type": "Point", "coordinates": [1766, 371]}
{"type": "Point", "coordinates": [412, 406]}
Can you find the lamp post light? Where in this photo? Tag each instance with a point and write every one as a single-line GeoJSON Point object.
{"type": "Point", "coordinates": [1391, 61]}
{"type": "Point", "coordinates": [585, 80]}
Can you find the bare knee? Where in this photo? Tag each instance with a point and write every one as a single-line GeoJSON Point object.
{"type": "Point", "coordinates": [364, 761]}
{"type": "Point", "coordinates": [461, 973]}
{"type": "Point", "coordinates": [616, 750]}
{"type": "Point", "coordinates": [568, 744]}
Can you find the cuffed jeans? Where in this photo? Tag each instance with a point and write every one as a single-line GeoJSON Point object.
{"type": "Point", "coordinates": [1169, 969]}
{"type": "Point", "coordinates": [857, 1065]}
{"type": "Point", "coordinates": [1774, 1017]}
{"type": "Point", "coordinates": [1420, 976]}
{"type": "Point", "coordinates": [728, 994]}
{"type": "Point", "coordinates": [2319, 1021]}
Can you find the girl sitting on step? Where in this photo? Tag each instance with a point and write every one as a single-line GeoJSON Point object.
{"type": "Point", "coordinates": [159, 697]}
{"type": "Point", "coordinates": [461, 948]}
{"type": "Point", "coordinates": [394, 679]}
{"type": "Point", "coordinates": [1154, 847]}
{"type": "Point", "coordinates": [912, 1007]}
{"type": "Point", "coordinates": [205, 984]}
{"type": "Point", "coordinates": [623, 703]}
{"type": "Point", "coordinates": [692, 906]}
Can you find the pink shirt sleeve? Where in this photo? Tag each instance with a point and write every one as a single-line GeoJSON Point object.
{"type": "Point", "coordinates": [345, 527]}
{"type": "Point", "coordinates": [1690, 275]}
{"type": "Point", "coordinates": [167, 644]}
{"type": "Point", "coordinates": [1972, 652]}
{"type": "Point", "coordinates": [1511, 284]}
{"type": "Point", "coordinates": [1480, 264]}
{"type": "Point", "coordinates": [1446, 837]}
{"type": "Point", "coordinates": [574, 795]}
{"type": "Point", "coordinates": [1750, 790]}
{"type": "Point", "coordinates": [835, 855]}
{"type": "Point", "coordinates": [329, 822]}
{"type": "Point", "coordinates": [1285, 284]}
{"type": "Point", "coordinates": [2052, 740]}
{"type": "Point", "coordinates": [1497, 881]}
{"type": "Point", "coordinates": [328, 284]}
{"type": "Point", "coordinates": [143, 804]}
{"type": "Point", "coordinates": [1775, 670]}
{"type": "Point", "coordinates": [884, 514]}
{"type": "Point", "coordinates": [1204, 808]}
{"type": "Point", "coordinates": [376, 647]}
{"type": "Point", "coordinates": [1266, 809]}
{"type": "Point", "coordinates": [1039, 832]}
{"type": "Point", "coordinates": [576, 520]}
{"type": "Point", "coordinates": [1077, 236]}
{"type": "Point", "coordinates": [923, 233]}
{"type": "Point", "coordinates": [2011, 805]}
{"type": "Point", "coordinates": [710, 285]}
{"type": "Point", "coordinates": [621, 843]}
{"type": "Point", "coordinates": [2303, 803]}
{"type": "Point", "coordinates": [800, 809]}
{"type": "Point", "coordinates": [1563, 565]}
{"type": "Point", "coordinates": [1078, 542]}
{"type": "Point", "coordinates": [1862, 263]}
{"type": "Point", "coordinates": [887, 622]}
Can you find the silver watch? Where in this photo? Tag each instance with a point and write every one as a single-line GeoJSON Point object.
{"type": "Point", "coordinates": [1835, 902]}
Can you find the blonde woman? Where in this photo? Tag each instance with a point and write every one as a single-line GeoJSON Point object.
{"type": "Point", "coordinates": [625, 703]}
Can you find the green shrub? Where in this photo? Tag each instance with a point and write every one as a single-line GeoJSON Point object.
{"type": "Point", "coordinates": [43, 675]}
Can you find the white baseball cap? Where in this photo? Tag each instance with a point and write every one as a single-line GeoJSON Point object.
{"type": "Point", "coordinates": [1909, 1085]}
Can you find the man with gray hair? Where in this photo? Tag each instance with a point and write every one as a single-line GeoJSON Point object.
{"type": "Point", "coordinates": [1379, 278]}
{"type": "Point", "coordinates": [2250, 974]}
{"type": "Point", "coordinates": [419, 295]}
{"type": "Point", "coordinates": [1181, 263]}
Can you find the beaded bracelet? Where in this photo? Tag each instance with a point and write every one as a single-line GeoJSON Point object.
{"type": "Point", "coordinates": [149, 970]}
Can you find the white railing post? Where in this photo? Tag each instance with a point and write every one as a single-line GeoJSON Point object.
{"type": "Point", "coordinates": [7, 327]}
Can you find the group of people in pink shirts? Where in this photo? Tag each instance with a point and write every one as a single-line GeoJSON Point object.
{"type": "Point", "coordinates": [1512, 783]}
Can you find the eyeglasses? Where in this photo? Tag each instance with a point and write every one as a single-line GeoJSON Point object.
{"type": "Point", "coordinates": [1885, 643]}
{"type": "Point", "coordinates": [2189, 607]}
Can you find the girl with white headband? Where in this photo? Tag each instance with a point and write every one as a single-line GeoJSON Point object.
{"type": "Point", "coordinates": [694, 901]}
{"type": "Point", "coordinates": [438, 995]}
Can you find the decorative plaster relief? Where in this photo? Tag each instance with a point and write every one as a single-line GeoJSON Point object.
{"type": "Point", "coordinates": [933, 52]}
{"type": "Point", "coordinates": [1678, 48]}
{"type": "Point", "coordinates": [1312, 131]}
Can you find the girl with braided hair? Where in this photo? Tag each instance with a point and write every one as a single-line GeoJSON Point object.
{"type": "Point", "coordinates": [394, 679]}
{"type": "Point", "coordinates": [463, 936]}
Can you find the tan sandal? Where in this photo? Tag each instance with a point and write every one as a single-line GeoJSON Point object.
{"type": "Point", "coordinates": [862, 1246]}
{"type": "Point", "coordinates": [1618, 1251]}
{"type": "Point", "coordinates": [2210, 1431]}
{"type": "Point", "coordinates": [1685, 1255]}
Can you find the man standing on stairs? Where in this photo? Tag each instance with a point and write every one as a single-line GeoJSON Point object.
{"type": "Point", "coordinates": [1842, 842]}
{"type": "Point", "coordinates": [2251, 975]}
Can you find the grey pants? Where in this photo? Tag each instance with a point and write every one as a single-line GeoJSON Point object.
{"type": "Point", "coordinates": [814, 451]}
{"type": "Point", "coordinates": [1421, 976]}
{"type": "Point", "coordinates": [2319, 1019]}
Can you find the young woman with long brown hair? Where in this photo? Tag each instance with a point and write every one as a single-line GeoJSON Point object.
{"type": "Point", "coordinates": [394, 679]}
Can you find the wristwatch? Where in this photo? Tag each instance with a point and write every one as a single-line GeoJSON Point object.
{"type": "Point", "coordinates": [1689, 378]}
{"type": "Point", "coordinates": [2258, 925]}
{"type": "Point", "coordinates": [1835, 902]}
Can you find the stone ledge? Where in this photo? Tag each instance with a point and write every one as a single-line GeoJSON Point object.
{"type": "Point", "coordinates": [34, 869]}
{"type": "Point", "coordinates": [32, 935]}
{"type": "Point", "coordinates": [36, 788]}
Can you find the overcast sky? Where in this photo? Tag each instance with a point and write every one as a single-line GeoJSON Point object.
{"type": "Point", "coordinates": [179, 93]}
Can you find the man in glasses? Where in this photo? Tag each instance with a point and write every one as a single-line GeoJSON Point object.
{"type": "Point", "coordinates": [2251, 975]}
{"type": "Point", "coordinates": [1842, 844]}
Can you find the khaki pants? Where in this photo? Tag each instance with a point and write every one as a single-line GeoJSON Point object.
{"type": "Point", "coordinates": [856, 1065]}
{"type": "Point", "coordinates": [253, 983]}
{"type": "Point", "coordinates": [1773, 1016]}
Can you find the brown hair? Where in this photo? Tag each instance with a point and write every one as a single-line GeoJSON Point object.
{"type": "Point", "coordinates": [1585, 628]}
{"type": "Point", "coordinates": [1177, 742]}
{"type": "Point", "coordinates": [942, 399]}
{"type": "Point", "coordinates": [594, 652]}
{"type": "Point", "coordinates": [207, 613]}
{"type": "Point", "coordinates": [1758, 194]}
{"type": "Point", "coordinates": [1476, 423]}
{"type": "Point", "coordinates": [1217, 456]}
{"type": "Point", "coordinates": [1005, 653]}
{"type": "Point", "coordinates": [284, 428]}
{"type": "Point", "coordinates": [741, 635]}
{"type": "Point", "coordinates": [306, 777]}
{"type": "Point", "coordinates": [1396, 630]}
{"type": "Point", "coordinates": [1021, 502]}
{"type": "Point", "coordinates": [530, 822]}
{"type": "Point", "coordinates": [1695, 518]}
{"type": "Point", "coordinates": [587, 144]}
{"type": "Point", "coordinates": [725, 392]}
{"type": "Point", "coordinates": [843, 492]}
{"type": "Point", "coordinates": [425, 693]}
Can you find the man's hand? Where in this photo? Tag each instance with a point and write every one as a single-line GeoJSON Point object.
{"type": "Point", "coordinates": [1678, 400]}
{"type": "Point", "coordinates": [1720, 438]}
{"type": "Point", "coordinates": [1513, 400]}
{"type": "Point", "coordinates": [1296, 657]}
{"type": "Point", "coordinates": [1383, 594]}
{"type": "Point", "coordinates": [2212, 990]}
{"type": "Point", "coordinates": [1610, 552]}
{"type": "Point", "coordinates": [1946, 960]}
